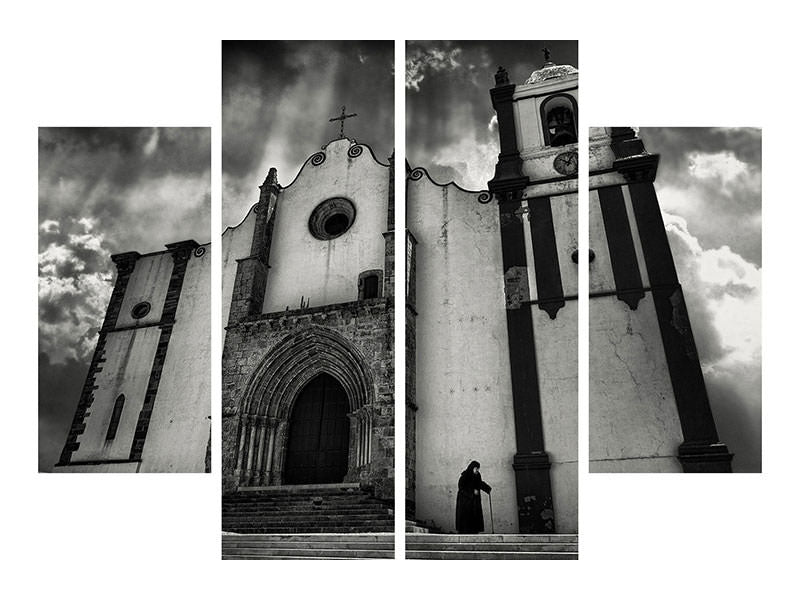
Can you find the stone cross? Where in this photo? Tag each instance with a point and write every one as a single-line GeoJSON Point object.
{"type": "Point", "coordinates": [341, 121]}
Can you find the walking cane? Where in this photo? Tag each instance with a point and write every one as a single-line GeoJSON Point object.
{"type": "Point", "coordinates": [491, 512]}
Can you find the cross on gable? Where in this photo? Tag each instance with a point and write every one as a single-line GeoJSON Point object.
{"type": "Point", "coordinates": [341, 119]}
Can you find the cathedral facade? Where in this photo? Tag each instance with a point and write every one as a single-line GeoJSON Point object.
{"type": "Point", "coordinates": [308, 355]}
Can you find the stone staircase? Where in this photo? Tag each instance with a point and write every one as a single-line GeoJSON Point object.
{"type": "Point", "coordinates": [307, 546]}
{"type": "Point", "coordinates": [499, 546]}
{"type": "Point", "coordinates": [294, 509]}
{"type": "Point", "coordinates": [416, 527]}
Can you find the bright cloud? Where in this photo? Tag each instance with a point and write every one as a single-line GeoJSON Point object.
{"type": "Point", "coordinates": [722, 165]}
{"type": "Point", "coordinates": [423, 60]}
{"type": "Point", "coordinates": [728, 286]}
{"type": "Point", "coordinates": [49, 226]}
{"type": "Point", "coordinates": [474, 161]}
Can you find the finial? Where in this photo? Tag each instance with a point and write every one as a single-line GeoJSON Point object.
{"type": "Point", "coordinates": [501, 77]}
{"type": "Point", "coordinates": [271, 178]}
{"type": "Point", "coordinates": [269, 186]}
{"type": "Point", "coordinates": [546, 52]}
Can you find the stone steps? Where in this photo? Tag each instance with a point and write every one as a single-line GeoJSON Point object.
{"type": "Point", "coordinates": [414, 527]}
{"type": "Point", "coordinates": [312, 516]}
{"type": "Point", "coordinates": [307, 546]}
{"type": "Point", "coordinates": [372, 527]}
{"type": "Point", "coordinates": [305, 506]}
{"type": "Point", "coordinates": [432, 546]}
{"type": "Point", "coordinates": [334, 508]}
{"type": "Point", "coordinates": [275, 490]}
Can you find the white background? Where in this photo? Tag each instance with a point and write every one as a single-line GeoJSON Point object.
{"type": "Point", "coordinates": [158, 63]}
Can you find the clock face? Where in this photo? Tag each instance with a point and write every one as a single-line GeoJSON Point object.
{"type": "Point", "coordinates": [566, 163]}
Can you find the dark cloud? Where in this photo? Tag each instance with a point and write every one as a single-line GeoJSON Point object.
{"type": "Point", "coordinates": [277, 98]}
{"type": "Point", "coordinates": [143, 187]}
{"type": "Point", "coordinates": [59, 390]}
{"type": "Point", "coordinates": [104, 191]}
{"type": "Point", "coordinates": [735, 397]}
{"type": "Point", "coordinates": [121, 156]}
{"type": "Point", "coordinates": [448, 107]}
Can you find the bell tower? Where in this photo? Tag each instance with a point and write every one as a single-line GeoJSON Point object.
{"type": "Point", "coordinates": [648, 407]}
{"type": "Point", "coordinates": [536, 185]}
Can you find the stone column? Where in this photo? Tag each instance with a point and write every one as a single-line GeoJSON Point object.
{"type": "Point", "coordinates": [354, 451]}
{"type": "Point", "coordinates": [279, 453]}
{"type": "Point", "coordinates": [368, 410]}
{"type": "Point", "coordinates": [262, 425]}
{"type": "Point", "coordinates": [272, 424]}
{"type": "Point", "coordinates": [243, 422]}
{"type": "Point", "coordinates": [251, 442]}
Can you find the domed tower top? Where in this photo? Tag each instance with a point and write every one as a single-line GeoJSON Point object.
{"type": "Point", "coordinates": [550, 70]}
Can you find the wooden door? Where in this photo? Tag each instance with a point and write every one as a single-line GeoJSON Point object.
{"type": "Point", "coordinates": [319, 434]}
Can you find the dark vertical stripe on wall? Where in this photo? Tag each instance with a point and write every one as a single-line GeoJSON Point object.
{"type": "Point", "coordinates": [701, 450]}
{"type": "Point", "coordinates": [627, 278]}
{"type": "Point", "coordinates": [181, 251]}
{"type": "Point", "coordinates": [531, 462]}
{"type": "Point", "coordinates": [545, 256]}
{"type": "Point", "coordinates": [653, 235]}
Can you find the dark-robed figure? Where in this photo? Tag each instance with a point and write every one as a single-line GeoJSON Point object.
{"type": "Point", "coordinates": [469, 514]}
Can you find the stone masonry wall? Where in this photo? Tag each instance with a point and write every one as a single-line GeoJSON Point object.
{"type": "Point", "coordinates": [367, 324]}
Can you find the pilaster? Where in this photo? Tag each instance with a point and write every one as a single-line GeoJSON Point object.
{"type": "Point", "coordinates": [701, 450]}
{"type": "Point", "coordinates": [250, 284]}
{"type": "Point", "coordinates": [531, 462]}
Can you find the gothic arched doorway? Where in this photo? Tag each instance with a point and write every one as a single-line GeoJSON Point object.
{"type": "Point", "coordinates": [319, 434]}
{"type": "Point", "coordinates": [281, 391]}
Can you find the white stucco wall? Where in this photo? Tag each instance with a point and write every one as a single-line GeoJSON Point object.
{"type": "Point", "coordinates": [148, 283]}
{"type": "Point", "coordinates": [632, 412]}
{"type": "Point", "coordinates": [181, 420]}
{"type": "Point", "coordinates": [633, 419]}
{"type": "Point", "coordinates": [463, 375]}
{"type": "Point", "coordinates": [236, 243]}
{"type": "Point", "coordinates": [326, 271]}
{"type": "Point", "coordinates": [129, 467]}
{"type": "Point", "coordinates": [129, 359]}
{"type": "Point", "coordinates": [556, 342]}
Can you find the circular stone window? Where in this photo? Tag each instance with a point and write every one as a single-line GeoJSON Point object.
{"type": "Point", "coordinates": [140, 310]}
{"type": "Point", "coordinates": [332, 218]}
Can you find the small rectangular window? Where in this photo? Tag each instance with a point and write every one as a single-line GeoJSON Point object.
{"type": "Point", "coordinates": [115, 417]}
{"type": "Point", "coordinates": [370, 287]}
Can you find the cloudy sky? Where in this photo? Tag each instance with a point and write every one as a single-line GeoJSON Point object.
{"type": "Point", "coordinates": [450, 128]}
{"type": "Point", "coordinates": [277, 98]}
{"type": "Point", "coordinates": [709, 188]}
{"type": "Point", "coordinates": [103, 191]}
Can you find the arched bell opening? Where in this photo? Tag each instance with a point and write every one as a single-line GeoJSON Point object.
{"type": "Point", "coordinates": [306, 414]}
{"type": "Point", "coordinates": [559, 115]}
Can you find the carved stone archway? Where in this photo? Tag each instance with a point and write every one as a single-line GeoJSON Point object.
{"type": "Point", "coordinates": [274, 387]}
